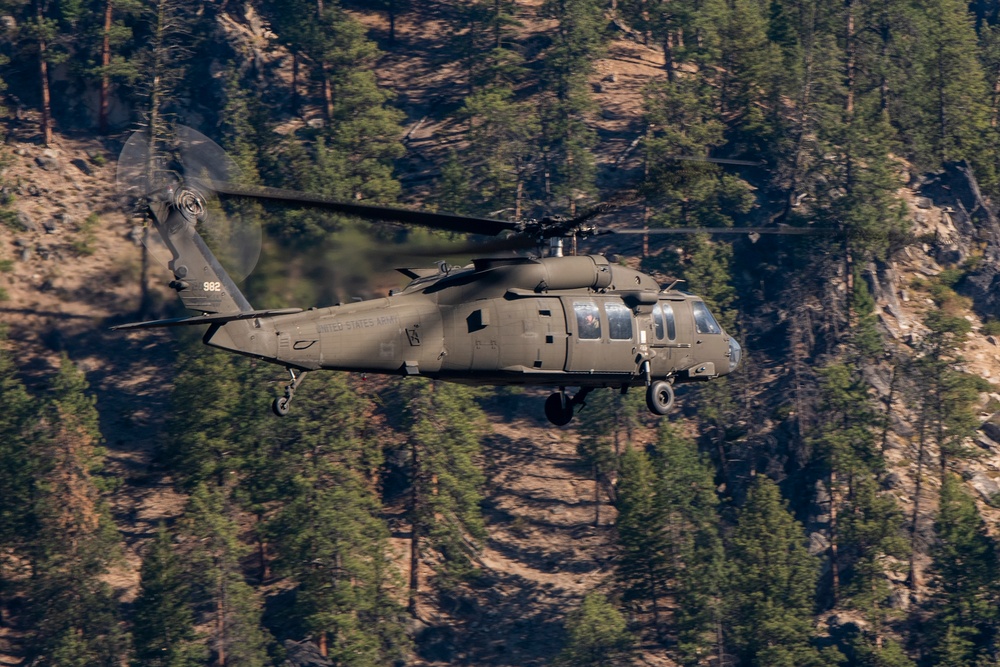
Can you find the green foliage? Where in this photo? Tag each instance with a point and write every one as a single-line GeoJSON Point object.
{"type": "Point", "coordinates": [965, 569]}
{"type": "Point", "coordinates": [454, 191]}
{"type": "Point", "coordinates": [203, 438]}
{"type": "Point", "coordinates": [948, 398]}
{"type": "Point", "coordinates": [503, 134]}
{"type": "Point", "coordinates": [163, 627]}
{"type": "Point", "coordinates": [669, 541]}
{"type": "Point", "coordinates": [210, 529]}
{"type": "Point", "coordinates": [444, 425]}
{"type": "Point", "coordinates": [83, 244]}
{"type": "Point", "coordinates": [947, 89]}
{"type": "Point", "coordinates": [770, 583]}
{"type": "Point", "coordinates": [328, 533]}
{"type": "Point", "coordinates": [73, 613]}
{"type": "Point", "coordinates": [866, 338]}
{"type": "Point", "coordinates": [597, 635]}
{"type": "Point", "coordinates": [567, 138]}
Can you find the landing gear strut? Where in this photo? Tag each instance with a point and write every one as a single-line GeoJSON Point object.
{"type": "Point", "coordinates": [283, 404]}
{"type": "Point", "coordinates": [559, 408]}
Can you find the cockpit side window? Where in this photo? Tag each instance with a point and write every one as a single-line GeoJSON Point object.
{"type": "Point", "coordinates": [588, 320]}
{"type": "Point", "coordinates": [704, 322]}
{"type": "Point", "coordinates": [619, 321]}
{"type": "Point", "coordinates": [658, 322]}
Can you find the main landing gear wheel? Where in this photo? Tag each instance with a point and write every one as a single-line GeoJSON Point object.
{"type": "Point", "coordinates": [281, 405]}
{"type": "Point", "coordinates": [558, 410]}
{"type": "Point", "coordinates": [660, 397]}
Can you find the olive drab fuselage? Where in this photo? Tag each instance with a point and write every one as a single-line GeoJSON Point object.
{"type": "Point", "coordinates": [559, 321]}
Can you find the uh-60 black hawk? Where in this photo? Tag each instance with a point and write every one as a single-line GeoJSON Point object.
{"type": "Point", "coordinates": [577, 321]}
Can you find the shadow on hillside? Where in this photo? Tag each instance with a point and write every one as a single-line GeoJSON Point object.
{"type": "Point", "coordinates": [504, 620]}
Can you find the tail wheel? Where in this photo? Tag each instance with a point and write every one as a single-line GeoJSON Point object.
{"type": "Point", "coordinates": [660, 397]}
{"type": "Point", "coordinates": [558, 410]}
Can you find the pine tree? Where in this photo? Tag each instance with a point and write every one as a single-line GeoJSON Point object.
{"type": "Point", "coordinates": [163, 627]}
{"type": "Point", "coordinates": [687, 493]}
{"type": "Point", "coordinates": [597, 635]}
{"type": "Point", "coordinates": [202, 443]}
{"type": "Point", "coordinates": [328, 533]}
{"type": "Point", "coordinates": [454, 191]}
{"type": "Point", "coordinates": [73, 613]}
{"type": "Point", "coordinates": [965, 563]}
{"type": "Point", "coordinates": [360, 137]}
{"type": "Point", "coordinates": [949, 90]}
{"type": "Point", "coordinates": [219, 589]}
{"type": "Point", "coordinates": [481, 39]}
{"type": "Point", "coordinates": [19, 467]}
{"type": "Point", "coordinates": [607, 426]}
{"type": "Point", "coordinates": [501, 137]}
{"type": "Point", "coordinates": [668, 533]}
{"type": "Point", "coordinates": [771, 581]}
{"type": "Point", "coordinates": [443, 424]}
{"type": "Point", "coordinates": [576, 43]}
{"type": "Point", "coordinates": [105, 39]}
{"type": "Point", "coordinates": [644, 565]}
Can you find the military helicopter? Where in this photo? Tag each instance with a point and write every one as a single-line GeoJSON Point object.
{"type": "Point", "coordinates": [556, 321]}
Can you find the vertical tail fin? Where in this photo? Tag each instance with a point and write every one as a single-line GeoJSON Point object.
{"type": "Point", "coordinates": [199, 279]}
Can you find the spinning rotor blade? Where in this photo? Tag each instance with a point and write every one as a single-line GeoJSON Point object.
{"type": "Point", "coordinates": [714, 160]}
{"type": "Point", "coordinates": [444, 221]}
{"type": "Point", "coordinates": [477, 249]}
{"type": "Point", "coordinates": [175, 169]}
{"type": "Point", "coordinates": [791, 231]}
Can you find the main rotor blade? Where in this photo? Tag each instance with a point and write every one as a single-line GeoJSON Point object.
{"type": "Point", "coordinates": [444, 221]}
{"type": "Point", "coordinates": [478, 249]}
{"type": "Point", "coordinates": [793, 231]}
{"type": "Point", "coordinates": [714, 160]}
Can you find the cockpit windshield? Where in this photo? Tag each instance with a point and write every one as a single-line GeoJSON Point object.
{"type": "Point", "coordinates": [704, 322]}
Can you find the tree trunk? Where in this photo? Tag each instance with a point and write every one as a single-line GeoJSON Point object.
{"type": "Point", "coordinates": [265, 566]}
{"type": "Point", "coordinates": [668, 58]}
{"type": "Point", "coordinates": [102, 111]}
{"type": "Point", "coordinates": [834, 564]}
{"type": "Point", "coordinates": [597, 494]}
{"type": "Point", "coordinates": [851, 48]}
{"type": "Point", "coordinates": [914, 577]}
{"type": "Point", "coordinates": [220, 626]}
{"type": "Point", "coordinates": [295, 82]}
{"type": "Point", "coordinates": [327, 95]}
{"type": "Point", "coordinates": [411, 606]}
{"type": "Point", "coordinates": [392, 22]}
{"type": "Point", "coordinates": [43, 77]}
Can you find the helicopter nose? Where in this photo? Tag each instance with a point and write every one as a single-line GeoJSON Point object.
{"type": "Point", "coordinates": [735, 354]}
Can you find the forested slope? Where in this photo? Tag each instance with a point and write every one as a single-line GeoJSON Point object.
{"type": "Point", "coordinates": [832, 503]}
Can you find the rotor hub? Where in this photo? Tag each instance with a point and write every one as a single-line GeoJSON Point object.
{"type": "Point", "coordinates": [190, 203]}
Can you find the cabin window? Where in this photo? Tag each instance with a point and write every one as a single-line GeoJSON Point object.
{"type": "Point", "coordinates": [619, 321]}
{"type": "Point", "coordinates": [663, 319]}
{"type": "Point", "coordinates": [704, 323]}
{"type": "Point", "coordinates": [588, 320]}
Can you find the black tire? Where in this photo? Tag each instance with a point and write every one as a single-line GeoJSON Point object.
{"type": "Point", "coordinates": [660, 397]}
{"type": "Point", "coordinates": [281, 406]}
{"type": "Point", "coordinates": [555, 411]}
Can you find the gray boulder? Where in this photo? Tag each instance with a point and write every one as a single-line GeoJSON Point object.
{"type": "Point", "coordinates": [48, 163]}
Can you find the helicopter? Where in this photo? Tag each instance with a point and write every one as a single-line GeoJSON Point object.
{"type": "Point", "coordinates": [557, 321]}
